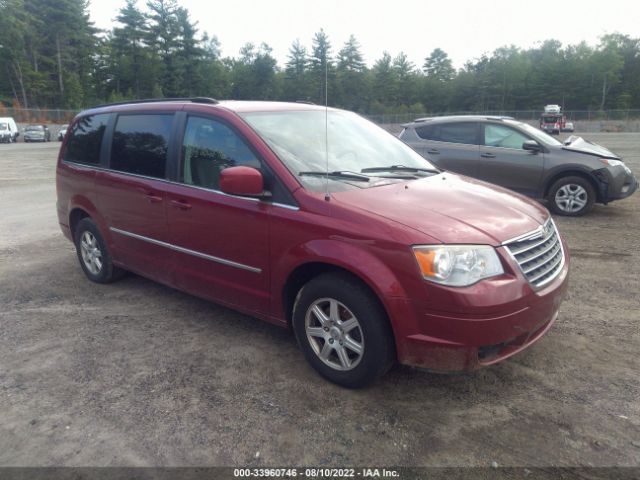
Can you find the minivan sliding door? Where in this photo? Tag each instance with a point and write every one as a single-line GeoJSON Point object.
{"type": "Point", "coordinates": [131, 194]}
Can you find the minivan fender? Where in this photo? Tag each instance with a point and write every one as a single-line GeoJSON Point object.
{"type": "Point", "coordinates": [321, 255]}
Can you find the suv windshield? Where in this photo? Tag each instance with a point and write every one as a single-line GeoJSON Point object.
{"type": "Point", "coordinates": [354, 145]}
{"type": "Point", "coordinates": [34, 128]}
{"type": "Point", "coordinates": [538, 135]}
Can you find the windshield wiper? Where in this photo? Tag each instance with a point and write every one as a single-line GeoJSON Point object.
{"type": "Point", "coordinates": [399, 168]}
{"type": "Point", "coordinates": [339, 174]}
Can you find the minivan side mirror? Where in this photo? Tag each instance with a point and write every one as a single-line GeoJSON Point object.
{"type": "Point", "coordinates": [242, 181]}
{"type": "Point", "coordinates": [532, 146]}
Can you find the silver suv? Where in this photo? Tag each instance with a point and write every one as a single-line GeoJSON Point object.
{"type": "Point", "coordinates": [572, 175]}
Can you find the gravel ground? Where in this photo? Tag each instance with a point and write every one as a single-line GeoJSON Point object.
{"type": "Point", "coordinates": [137, 374]}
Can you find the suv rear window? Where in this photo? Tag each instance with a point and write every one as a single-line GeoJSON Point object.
{"type": "Point", "coordinates": [140, 144]}
{"type": "Point", "coordinates": [85, 140]}
{"type": "Point", "coordinates": [460, 132]}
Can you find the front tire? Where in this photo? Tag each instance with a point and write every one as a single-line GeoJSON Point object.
{"type": "Point", "coordinates": [93, 255]}
{"type": "Point", "coordinates": [571, 196]}
{"type": "Point", "coordinates": [343, 330]}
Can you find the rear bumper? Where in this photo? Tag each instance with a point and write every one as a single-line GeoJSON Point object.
{"type": "Point", "coordinates": [452, 343]}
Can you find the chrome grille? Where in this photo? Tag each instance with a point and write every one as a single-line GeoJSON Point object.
{"type": "Point", "coordinates": [539, 254]}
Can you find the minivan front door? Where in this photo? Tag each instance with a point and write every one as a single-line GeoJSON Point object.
{"type": "Point", "coordinates": [221, 241]}
{"type": "Point", "coordinates": [503, 161]}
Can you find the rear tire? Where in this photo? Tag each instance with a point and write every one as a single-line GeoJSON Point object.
{"type": "Point", "coordinates": [93, 255]}
{"type": "Point", "coordinates": [343, 330]}
{"type": "Point", "coordinates": [571, 196]}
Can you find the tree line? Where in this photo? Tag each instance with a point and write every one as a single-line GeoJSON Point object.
{"type": "Point", "coordinates": [52, 56]}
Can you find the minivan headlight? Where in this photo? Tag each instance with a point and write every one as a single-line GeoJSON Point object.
{"type": "Point", "coordinates": [457, 265]}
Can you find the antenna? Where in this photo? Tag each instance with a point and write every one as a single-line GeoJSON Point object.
{"type": "Point", "coordinates": [327, 197]}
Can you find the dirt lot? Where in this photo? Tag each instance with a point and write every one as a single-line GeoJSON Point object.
{"type": "Point", "coordinates": [135, 373]}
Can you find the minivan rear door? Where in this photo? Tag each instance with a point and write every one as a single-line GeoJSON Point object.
{"type": "Point", "coordinates": [131, 193]}
{"type": "Point", "coordinates": [503, 161]}
{"type": "Point", "coordinates": [451, 146]}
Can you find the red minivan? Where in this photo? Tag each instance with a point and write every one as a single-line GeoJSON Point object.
{"type": "Point", "coordinates": [314, 219]}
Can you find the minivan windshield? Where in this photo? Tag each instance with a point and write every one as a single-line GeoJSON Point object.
{"type": "Point", "coordinates": [538, 135]}
{"type": "Point", "coordinates": [356, 149]}
{"type": "Point", "coordinates": [4, 126]}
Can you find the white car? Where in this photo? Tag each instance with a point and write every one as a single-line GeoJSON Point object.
{"type": "Point", "coordinates": [568, 127]}
{"type": "Point", "coordinates": [62, 132]}
{"type": "Point", "coordinates": [552, 109]}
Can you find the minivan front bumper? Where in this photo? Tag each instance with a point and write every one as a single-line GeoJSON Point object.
{"type": "Point", "coordinates": [454, 342]}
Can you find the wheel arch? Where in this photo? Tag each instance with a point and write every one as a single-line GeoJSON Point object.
{"type": "Point", "coordinates": [574, 172]}
{"type": "Point", "coordinates": [76, 214]}
{"type": "Point", "coordinates": [306, 272]}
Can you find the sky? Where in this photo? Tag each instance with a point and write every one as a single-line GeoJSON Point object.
{"type": "Point", "coordinates": [463, 29]}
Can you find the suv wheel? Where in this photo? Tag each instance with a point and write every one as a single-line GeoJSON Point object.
{"type": "Point", "coordinates": [571, 196]}
{"type": "Point", "coordinates": [93, 254]}
{"type": "Point", "coordinates": [343, 331]}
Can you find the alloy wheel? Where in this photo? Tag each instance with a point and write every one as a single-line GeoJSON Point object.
{"type": "Point", "coordinates": [91, 254]}
{"type": "Point", "coordinates": [571, 198]}
{"type": "Point", "coordinates": [334, 333]}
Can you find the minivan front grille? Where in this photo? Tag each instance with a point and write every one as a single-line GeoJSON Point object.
{"type": "Point", "coordinates": [539, 254]}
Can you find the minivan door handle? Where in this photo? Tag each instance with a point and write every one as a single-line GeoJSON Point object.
{"type": "Point", "coordinates": [181, 204]}
{"type": "Point", "coordinates": [488, 155]}
{"type": "Point", "coordinates": [151, 196]}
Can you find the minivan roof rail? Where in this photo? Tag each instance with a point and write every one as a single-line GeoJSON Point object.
{"type": "Point", "coordinates": [212, 101]}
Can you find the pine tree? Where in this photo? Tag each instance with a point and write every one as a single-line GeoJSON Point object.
{"type": "Point", "coordinates": [438, 65]}
{"type": "Point", "coordinates": [321, 67]}
{"type": "Point", "coordinates": [163, 37]}
{"type": "Point", "coordinates": [296, 70]}
{"type": "Point", "coordinates": [129, 49]}
{"type": "Point", "coordinates": [352, 82]}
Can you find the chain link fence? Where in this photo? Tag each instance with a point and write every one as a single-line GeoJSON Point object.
{"type": "Point", "coordinates": [38, 115]}
{"type": "Point", "coordinates": [526, 115]}
{"type": "Point", "coordinates": [586, 120]}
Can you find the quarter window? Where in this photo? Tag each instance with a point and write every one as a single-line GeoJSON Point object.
{"type": "Point", "coordinates": [208, 148]}
{"type": "Point", "coordinates": [140, 144]}
{"type": "Point", "coordinates": [501, 136]}
{"type": "Point", "coordinates": [85, 140]}
{"type": "Point", "coordinates": [428, 132]}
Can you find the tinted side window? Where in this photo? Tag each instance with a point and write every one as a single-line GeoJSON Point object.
{"type": "Point", "coordinates": [502, 136]}
{"type": "Point", "coordinates": [464, 132]}
{"type": "Point", "coordinates": [428, 132]}
{"type": "Point", "coordinates": [208, 148]}
{"type": "Point", "coordinates": [85, 140]}
{"type": "Point", "coordinates": [140, 144]}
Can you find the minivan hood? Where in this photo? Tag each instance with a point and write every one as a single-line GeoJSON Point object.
{"type": "Point", "coordinates": [451, 208]}
{"type": "Point", "coordinates": [579, 144]}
